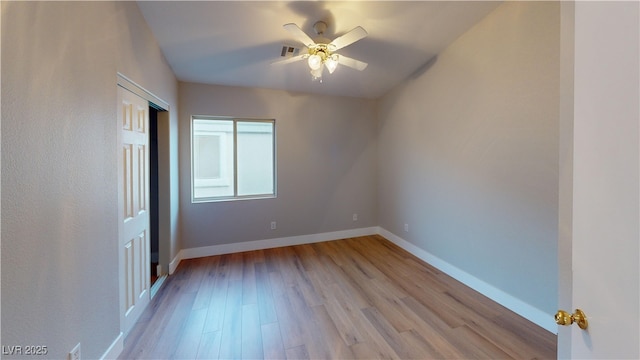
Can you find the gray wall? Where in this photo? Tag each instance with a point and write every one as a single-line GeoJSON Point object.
{"type": "Point", "coordinates": [468, 153]}
{"type": "Point", "coordinates": [59, 183]}
{"type": "Point", "coordinates": [326, 166]}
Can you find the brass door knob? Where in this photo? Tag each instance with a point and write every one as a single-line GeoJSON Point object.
{"type": "Point", "coordinates": [566, 319]}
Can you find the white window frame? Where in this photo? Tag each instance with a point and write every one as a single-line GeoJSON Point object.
{"type": "Point", "coordinates": [224, 179]}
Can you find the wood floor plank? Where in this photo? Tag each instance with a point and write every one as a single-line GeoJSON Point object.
{"type": "Point", "coordinates": [366, 350]}
{"type": "Point", "coordinates": [231, 342]}
{"type": "Point", "coordinates": [290, 328]}
{"type": "Point", "coordinates": [193, 278]}
{"type": "Point", "coordinates": [191, 335]}
{"type": "Point", "coordinates": [477, 346]}
{"type": "Point", "coordinates": [264, 295]}
{"type": "Point", "coordinates": [416, 341]}
{"type": "Point", "coordinates": [370, 341]}
{"type": "Point", "coordinates": [302, 281]}
{"type": "Point", "coordinates": [362, 260]}
{"type": "Point", "coordinates": [218, 301]}
{"type": "Point", "coordinates": [438, 304]}
{"type": "Point", "coordinates": [249, 291]}
{"type": "Point", "coordinates": [315, 262]}
{"type": "Point", "coordinates": [329, 249]}
{"type": "Point", "coordinates": [400, 266]}
{"type": "Point", "coordinates": [433, 329]}
{"type": "Point", "coordinates": [298, 353]}
{"type": "Point", "coordinates": [209, 347]}
{"type": "Point", "coordinates": [306, 255]}
{"type": "Point", "coordinates": [272, 258]}
{"type": "Point", "coordinates": [389, 334]}
{"type": "Point", "coordinates": [144, 335]}
{"type": "Point", "coordinates": [286, 265]}
{"type": "Point", "coordinates": [311, 331]}
{"type": "Point", "coordinates": [347, 284]}
{"type": "Point", "coordinates": [272, 344]}
{"type": "Point", "coordinates": [357, 298]}
{"type": "Point", "coordinates": [251, 332]}
{"type": "Point", "coordinates": [516, 329]}
{"type": "Point", "coordinates": [204, 292]}
{"type": "Point", "coordinates": [329, 334]}
{"type": "Point", "coordinates": [236, 266]}
{"type": "Point", "coordinates": [167, 341]}
{"type": "Point", "coordinates": [385, 302]}
{"type": "Point", "coordinates": [390, 304]}
{"type": "Point", "coordinates": [342, 321]}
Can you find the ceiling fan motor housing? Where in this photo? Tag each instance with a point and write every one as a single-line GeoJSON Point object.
{"type": "Point", "coordinates": [320, 27]}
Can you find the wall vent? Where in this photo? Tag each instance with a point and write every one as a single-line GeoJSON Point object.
{"type": "Point", "coordinates": [289, 51]}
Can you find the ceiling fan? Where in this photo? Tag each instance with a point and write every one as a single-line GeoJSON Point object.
{"type": "Point", "coordinates": [321, 51]}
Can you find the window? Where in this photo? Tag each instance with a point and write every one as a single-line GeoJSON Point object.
{"type": "Point", "coordinates": [232, 159]}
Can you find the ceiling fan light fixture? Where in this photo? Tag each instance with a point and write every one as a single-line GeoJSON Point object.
{"type": "Point", "coordinates": [315, 62]}
{"type": "Point", "coordinates": [316, 74]}
{"type": "Point", "coordinates": [320, 50]}
{"type": "Point", "coordinates": [332, 63]}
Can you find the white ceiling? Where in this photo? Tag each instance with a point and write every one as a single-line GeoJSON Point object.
{"type": "Point", "coordinates": [235, 42]}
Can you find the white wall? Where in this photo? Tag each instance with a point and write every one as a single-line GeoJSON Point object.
{"type": "Point", "coordinates": [59, 183]}
{"type": "Point", "coordinates": [326, 166]}
{"type": "Point", "coordinates": [468, 154]}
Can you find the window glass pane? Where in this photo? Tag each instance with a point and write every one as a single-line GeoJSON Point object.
{"type": "Point", "coordinates": [212, 158]}
{"type": "Point", "coordinates": [208, 167]}
{"type": "Point", "coordinates": [255, 158]}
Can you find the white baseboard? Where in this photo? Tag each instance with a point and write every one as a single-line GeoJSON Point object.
{"type": "Point", "coordinates": [173, 265]}
{"type": "Point", "coordinates": [203, 251]}
{"type": "Point", "coordinates": [115, 349]}
{"type": "Point", "coordinates": [516, 305]}
{"type": "Point", "coordinates": [157, 285]}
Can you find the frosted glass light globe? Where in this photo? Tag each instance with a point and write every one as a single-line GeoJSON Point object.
{"type": "Point", "coordinates": [315, 62]}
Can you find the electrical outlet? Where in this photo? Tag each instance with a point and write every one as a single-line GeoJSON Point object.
{"type": "Point", "coordinates": [355, 217]}
{"type": "Point", "coordinates": [75, 353]}
{"type": "Point", "coordinates": [273, 225]}
{"type": "Point", "coordinates": [406, 227]}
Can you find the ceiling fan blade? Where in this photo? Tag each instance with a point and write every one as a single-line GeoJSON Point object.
{"type": "Point", "coordinates": [299, 34]}
{"type": "Point", "coordinates": [352, 63]}
{"type": "Point", "coordinates": [349, 38]}
{"type": "Point", "coordinates": [290, 59]}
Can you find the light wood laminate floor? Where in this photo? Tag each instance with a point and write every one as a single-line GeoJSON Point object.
{"type": "Point", "coordinates": [354, 298]}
